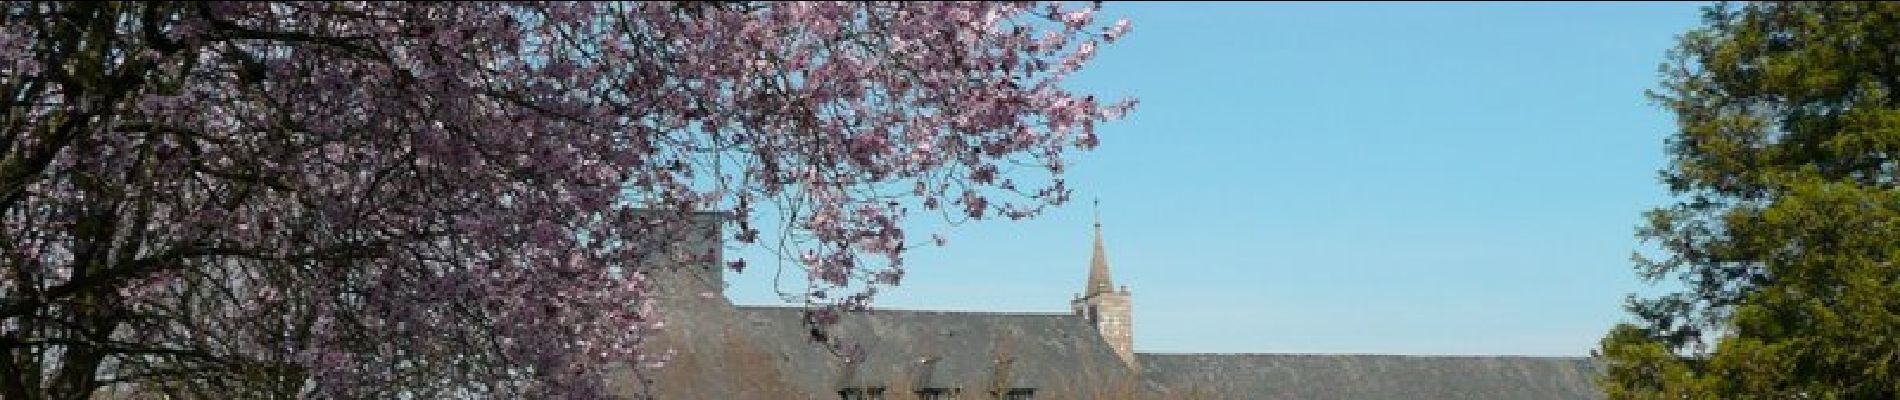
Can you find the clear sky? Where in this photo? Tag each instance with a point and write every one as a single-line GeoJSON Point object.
{"type": "Point", "coordinates": [1402, 178]}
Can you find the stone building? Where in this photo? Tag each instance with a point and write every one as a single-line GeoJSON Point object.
{"type": "Point", "coordinates": [727, 351]}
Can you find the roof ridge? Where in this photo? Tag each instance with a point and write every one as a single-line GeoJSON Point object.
{"type": "Point", "coordinates": [1474, 356]}
{"type": "Point", "coordinates": [917, 311]}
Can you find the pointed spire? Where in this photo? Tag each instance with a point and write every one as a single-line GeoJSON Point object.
{"type": "Point", "coordinates": [1099, 281]}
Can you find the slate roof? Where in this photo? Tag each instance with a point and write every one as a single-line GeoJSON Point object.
{"type": "Point", "coordinates": [1370, 377]}
{"type": "Point", "coordinates": [766, 352]}
{"type": "Point", "coordinates": [970, 351]}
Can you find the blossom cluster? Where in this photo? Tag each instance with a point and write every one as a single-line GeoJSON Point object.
{"type": "Point", "coordinates": [431, 198]}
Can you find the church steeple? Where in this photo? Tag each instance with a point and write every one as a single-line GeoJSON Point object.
{"type": "Point", "coordinates": [1105, 306]}
{"type": "Point", "coordinates": [1099, 280]}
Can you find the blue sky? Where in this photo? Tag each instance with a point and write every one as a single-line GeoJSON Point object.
{"type": "Point", "coordinates": [1403, 178]}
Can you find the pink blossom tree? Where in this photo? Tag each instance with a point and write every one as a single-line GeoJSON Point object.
{"type": "Point", "coordinates": [359, 199]}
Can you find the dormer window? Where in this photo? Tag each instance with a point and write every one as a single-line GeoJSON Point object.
{"type": "Point", "coordinates": [861, 393]}
{"type": "Point", "coordinates": [1017, 394]}
{"type": "Point", "coordinates": [937, 393]}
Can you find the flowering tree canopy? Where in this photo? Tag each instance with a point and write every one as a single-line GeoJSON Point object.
{"type": "Point", "coordinates": [360, 199]}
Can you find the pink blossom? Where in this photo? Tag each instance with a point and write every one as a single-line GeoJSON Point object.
{"type": "Point", "coordinates": [493, 182]}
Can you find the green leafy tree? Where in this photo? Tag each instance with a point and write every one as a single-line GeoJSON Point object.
{"type": "Point", "coordinates": [1786, 167]}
